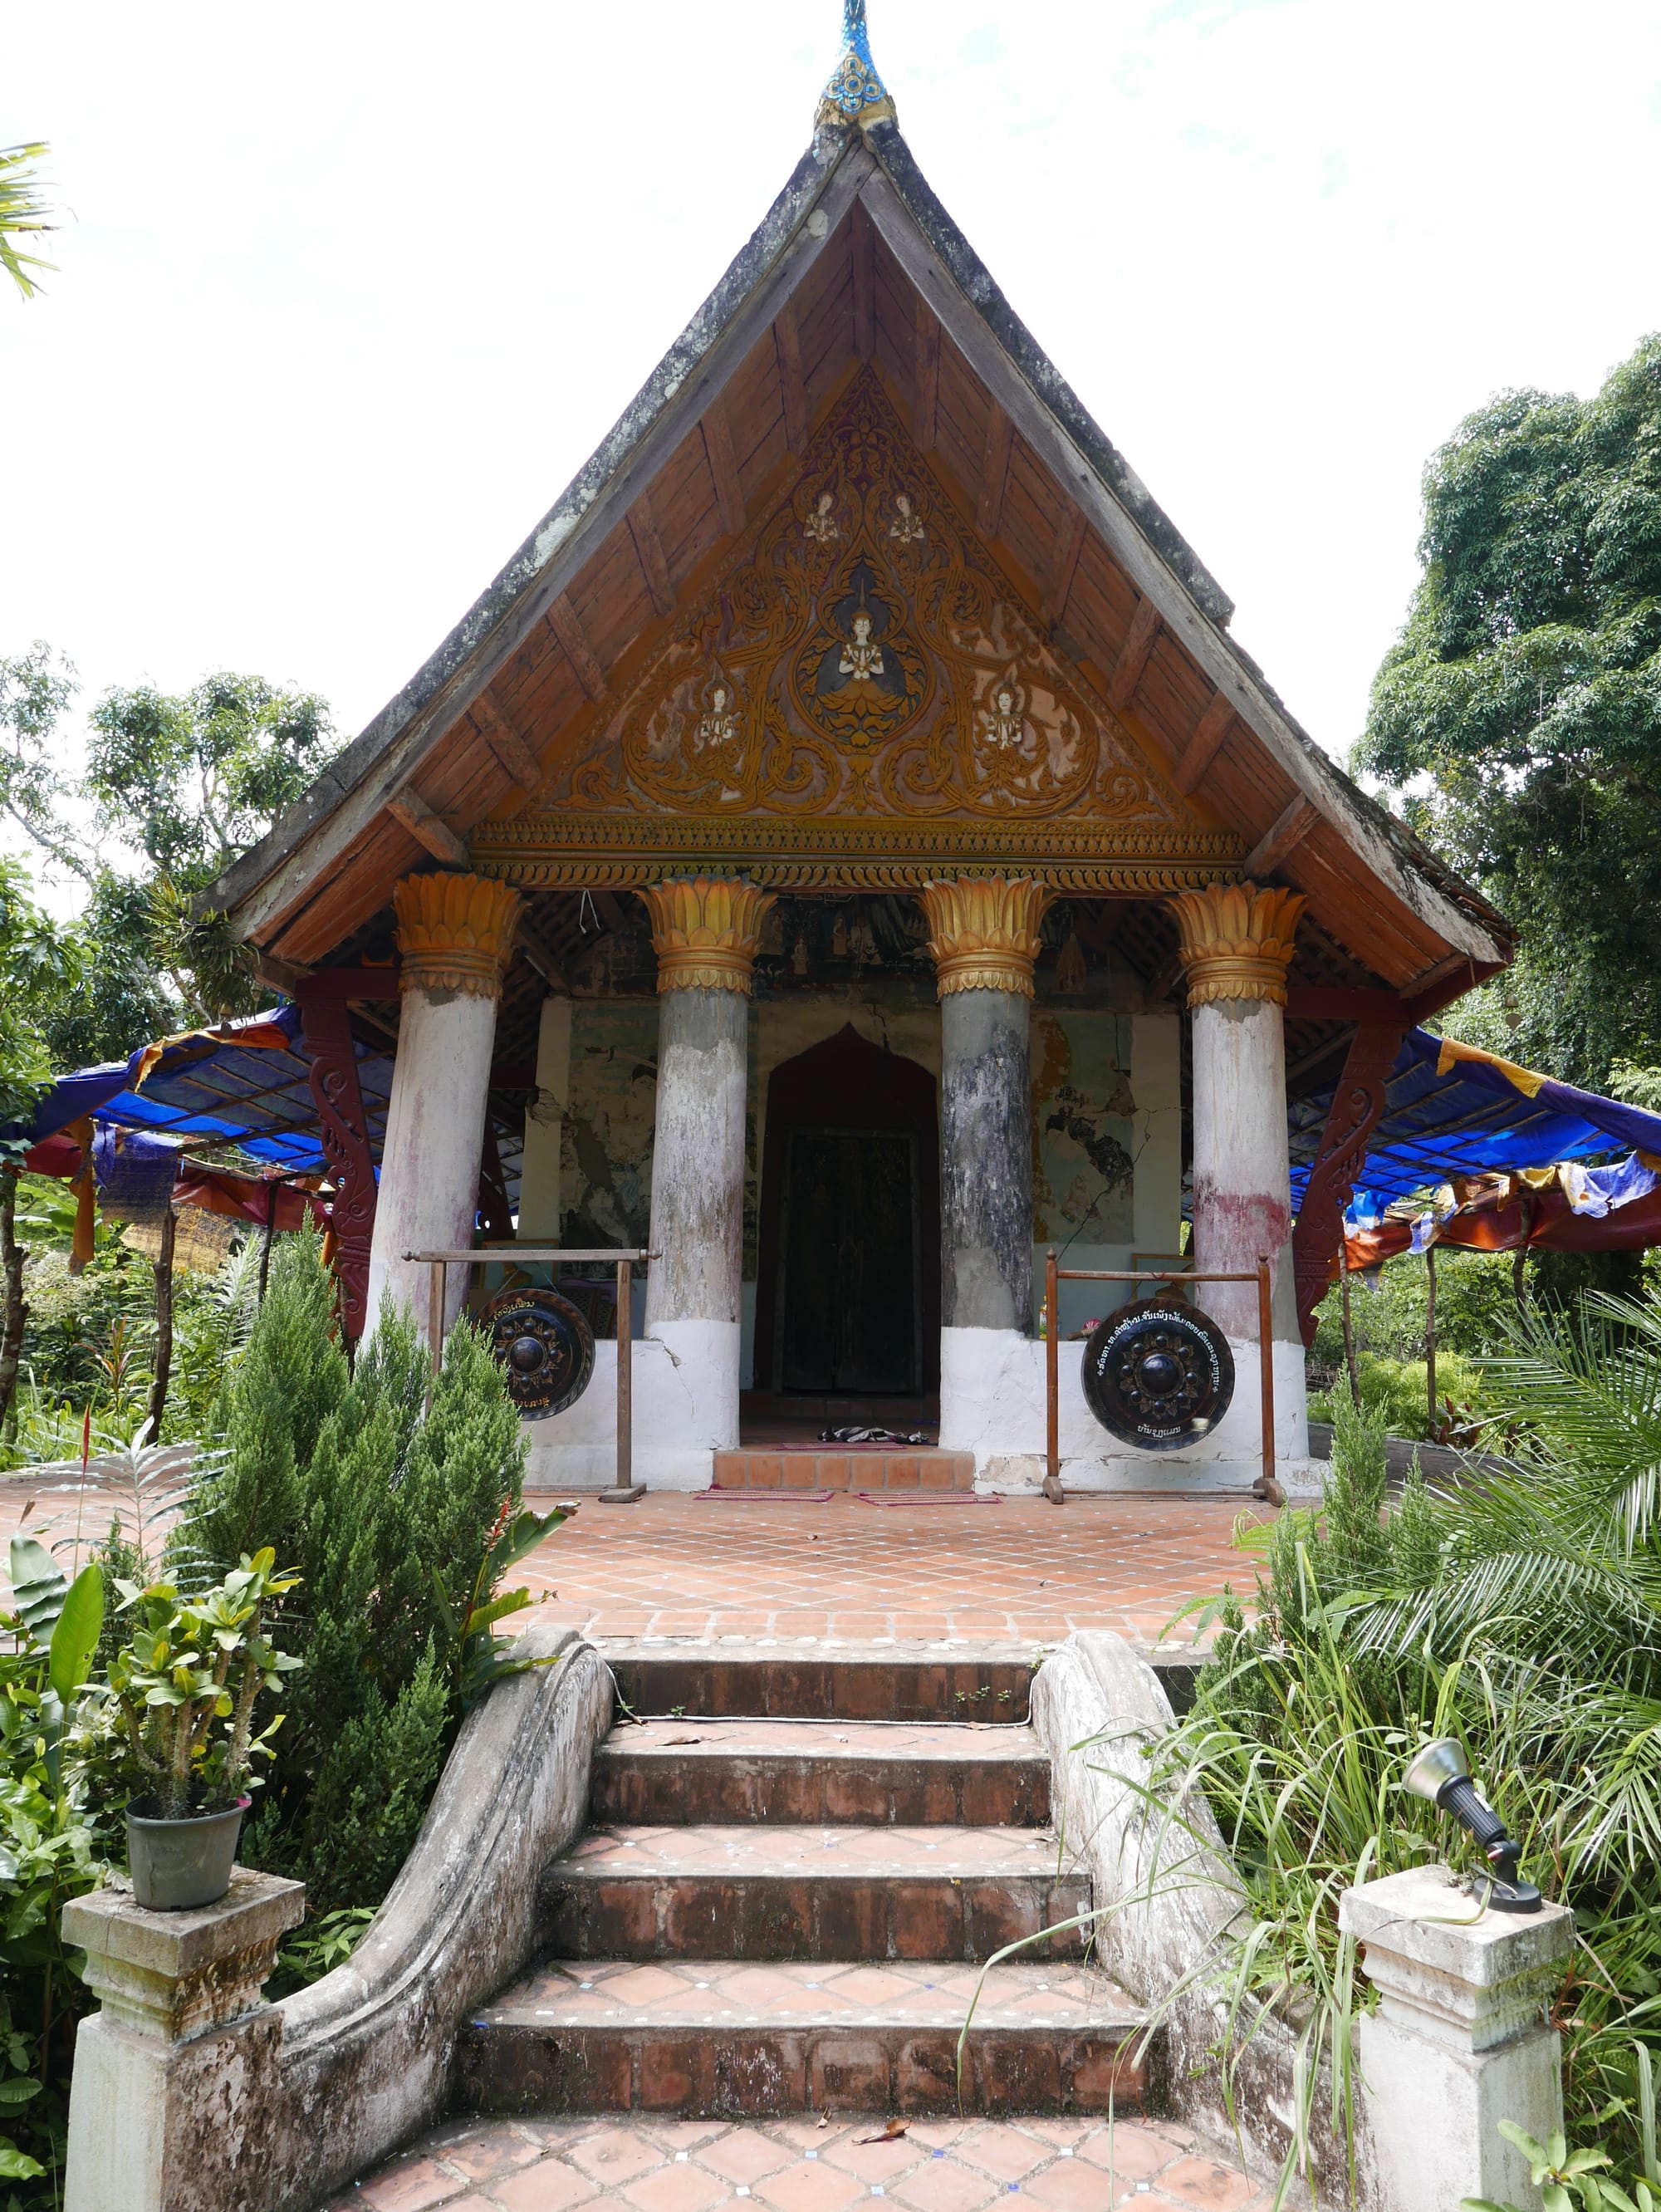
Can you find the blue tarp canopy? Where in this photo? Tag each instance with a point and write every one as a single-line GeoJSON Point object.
{"type": "Point", "coordinates": [1454, 1111]}
{"type": "Point", "coordinates": [248, 1084]}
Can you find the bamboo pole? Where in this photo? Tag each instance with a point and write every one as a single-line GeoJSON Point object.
{"type": "Point", "coordinates": [1430, 1339]}
{"type": "Point", "coordinates": [1266, 1363]}
{"type": "Point", "coordinates": [1052, 1367]}
{"type": "Point", "coordinates": [164, 1321]}
{"type": "Point", "coordinates": [1348, 1332]}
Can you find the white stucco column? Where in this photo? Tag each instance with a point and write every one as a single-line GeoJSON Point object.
{"type": "Point", "coordinates": [1237, 941]}
{"type": "Point", "coordinates": [454, 935]}
{"type": "Point", "coordinates": [706, 930]}
{"type": "Point", "coordinates": [983, 934]}
{"type": "Point", "coordinates": [544, 1125]}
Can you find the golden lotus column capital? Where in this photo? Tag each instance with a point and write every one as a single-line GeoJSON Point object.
{"type": "Point", "coordinates": [455, 933]}
{"type": "Point", "coordinates": [984, 932]}
{"type": "Point", "coordinates": [704, 931]}
{"type": "Point", "coordinates": [1237, 941]}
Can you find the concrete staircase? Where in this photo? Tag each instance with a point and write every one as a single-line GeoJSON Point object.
{"type": "Point", "coordinates": [795, 1868]}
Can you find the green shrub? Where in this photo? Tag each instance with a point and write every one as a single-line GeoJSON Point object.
{"type": "Point", "coordinates": [383, 1510]}
{"type": "Point", "coordinates": [1396, 1390]}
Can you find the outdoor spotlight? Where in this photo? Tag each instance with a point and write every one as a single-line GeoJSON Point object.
{"type": "Point", "coordinates": [1441, 1773]}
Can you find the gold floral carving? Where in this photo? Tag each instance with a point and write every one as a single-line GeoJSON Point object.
{"type": "Point", "coordinates": [455, 933]}
{"type": "Point", "coordinates": [1237, 941]}
{"type": "Point", "coordinates": [861, 684]}
{"type": "Point", "coordinates": [705, 930]}
{"type": "Point", "coordinates": [984, 933]}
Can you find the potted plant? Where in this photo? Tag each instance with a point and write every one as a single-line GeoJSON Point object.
{"type": "Point", "coordinates": [186, 1687]}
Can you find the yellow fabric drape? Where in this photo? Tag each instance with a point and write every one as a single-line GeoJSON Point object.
{"type": "Point", "coordinates": [84, 1184]}
{"type": "Point", "coordinates": [1524, 1078]}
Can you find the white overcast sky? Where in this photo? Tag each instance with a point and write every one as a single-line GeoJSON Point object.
{"type": "Point", "coordinates": [346, 293]}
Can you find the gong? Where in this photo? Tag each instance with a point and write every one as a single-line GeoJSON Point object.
{"type": "Point", "coordinates": [545, 1348]}
{"type": "Point", "coordinates": [1158, 1375]}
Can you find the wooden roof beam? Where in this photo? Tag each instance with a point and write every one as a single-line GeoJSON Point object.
{"type": "Point", "coordinates": [925, 376]}
{"type": "Point", "coordinates": [409, 809]}
{"type": "Point", "coordinates": [505, 741]}
{"type": "Point", "coordinates": [1126, 671]}
{"type": "Point", "coordinates": [724, 468]}
{"type": "Point", "coordinates": [864, 245]}
{"type": "Point", "coordinates": [1202, 747]}
{"type": "Point", "coordinates": [649, 552]}
{"type": "Point", "coordinates": [793, 387]}
{"type": "Point", "coordinates": [994, 471]}
{"type": "Point", "coordinates": [566, 625]}
{"type": "Point", "coordinates": [1071, 530]}
{"type": "Point", "coordinates": [1282, 837]}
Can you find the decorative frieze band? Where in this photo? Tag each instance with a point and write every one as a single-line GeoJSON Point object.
{"type": "Point", "coordinates": [983, 933]}
{"type": "Point", "coordinates": [455, 933]}
{"type": "Point", "coordinates": [1237, 941]}
{"type": "Point", "coordinates": [704, 931]}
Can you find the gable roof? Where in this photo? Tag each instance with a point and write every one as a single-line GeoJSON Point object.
{"type": "Point", "coordinates": [856, 259]}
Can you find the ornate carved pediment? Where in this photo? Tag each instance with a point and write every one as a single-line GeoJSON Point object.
{"type": "Point", "coordinates": [863, 694]}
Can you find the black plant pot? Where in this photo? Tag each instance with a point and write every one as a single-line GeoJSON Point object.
{"type": "Point", "coordinates": [177, 1864]}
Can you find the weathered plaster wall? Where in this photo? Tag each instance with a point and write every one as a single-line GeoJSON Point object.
{"type": "Point", "coordinates": [610, 1124]}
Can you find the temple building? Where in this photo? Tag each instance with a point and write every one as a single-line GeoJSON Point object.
{"type": "Point", "coordinates": [845, 852]}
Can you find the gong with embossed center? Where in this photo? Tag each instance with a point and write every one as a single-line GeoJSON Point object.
{"type": "Point", "coordinates": [544, 1347]}
{"type": "Point", "coordinates": [1158, 1374]}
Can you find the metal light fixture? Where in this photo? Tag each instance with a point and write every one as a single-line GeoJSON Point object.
{"type": "Point", "coordinates": [1441, 1773]}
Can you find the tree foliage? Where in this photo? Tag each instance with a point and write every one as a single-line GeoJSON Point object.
{"type": "Point", "coordinates": [22, 215]}
{"type": "Point", "coordinates": [1523, 705]}
{"type": "Point", "coordinates": [176, 789]}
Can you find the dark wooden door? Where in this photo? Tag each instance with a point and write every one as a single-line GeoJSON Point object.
{"type": "Point", "coordinates": [850, 1315]}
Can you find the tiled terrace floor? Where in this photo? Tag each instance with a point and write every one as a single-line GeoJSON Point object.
{"type": "Point", "coordinates": [796, 2165]}
{"type": "Point", "coordinates": [1019, 1570]}
{"type": "Point", "coordinates": [1016, 1570]}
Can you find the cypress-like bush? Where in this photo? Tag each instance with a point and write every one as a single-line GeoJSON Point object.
{"type": "Point", "coordinates": [376, 1503]}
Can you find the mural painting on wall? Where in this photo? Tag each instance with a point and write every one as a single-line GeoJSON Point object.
{"type": "Point", "coordinates": [605, 1173]}
{"type": "Point", "coordinates": [1083, 1167]}
{"type": "Point", "coordinates": [861, 658]}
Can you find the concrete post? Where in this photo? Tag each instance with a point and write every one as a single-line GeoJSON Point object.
{"type": "Point", "coordinates": [181, 2063]}
{"type": "Point", "coordinates": [706, 931]}
{"type": "Point", "coordinates": [1459, 2041]}
{"type": "Point", "coordinates": [1237, 941]}
{"type": "Point", "coordinates": [544, 1126]}
{"type": "Point", "coordinates": [455, 934]}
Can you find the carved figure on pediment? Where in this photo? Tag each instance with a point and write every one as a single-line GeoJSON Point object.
{"type": "Point", "coordinates": [821, 525]}
{"type": "Point", "coordinates": [861, 677]}
{"type": "Point", "coordinates": [906, 528]}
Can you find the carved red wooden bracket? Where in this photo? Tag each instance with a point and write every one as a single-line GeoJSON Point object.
{"type": "Point", "coordinates": [1358, 1103]}
{"type": "Point", "coordinates": [326, 1028]}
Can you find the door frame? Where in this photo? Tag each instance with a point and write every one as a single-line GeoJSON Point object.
{"type": "Point", "coordinates": [846, 1082]}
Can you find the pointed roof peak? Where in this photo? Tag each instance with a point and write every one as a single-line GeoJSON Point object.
{"type": "Point", "coordinates": [855, 94]}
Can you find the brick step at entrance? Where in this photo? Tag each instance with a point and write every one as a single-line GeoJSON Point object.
{"type": "Point", "coordinates": [778, 1892]}
{"type": "Point", "coordinates": [809, 1682]}
{"type": "Point", "coordinates": [904, 1773]}
{"type": "Point", "coordinates": [832, 1466]}
{"type": "Point", "coordinates": [715, 2037]}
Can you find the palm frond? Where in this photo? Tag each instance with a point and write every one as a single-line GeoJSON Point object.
{"type": "Point", "coordinates": [22, 214]}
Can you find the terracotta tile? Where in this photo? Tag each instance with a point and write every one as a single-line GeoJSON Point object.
{"type": "Point", "coordinates": [811, 2188]}
{"type": "Point", "coordinates": [613, 2155]}
{"type": "Point", "coordinates": [746, 2154]}
{"type": "Point", "coordinates": [549, 2187]}
{"type": "Point", "coordinates": [676, 2188]}
{"type": "Point", "coordinates": [945, 2185]}
{"type": "Point", "coordinates": [410, 2187]}
{"type": "Point", "coordinates": [498, 2147]}
{"type": "Point", "coordinates": [1202, 2181]}
{"type": "Point", "coordinates": [1130, 2154]}
{"type": "Point", "coordinates": [1005, 2152]}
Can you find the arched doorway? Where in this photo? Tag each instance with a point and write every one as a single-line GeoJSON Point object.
{"type": "Point", "coordinates": [847, 1302]}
